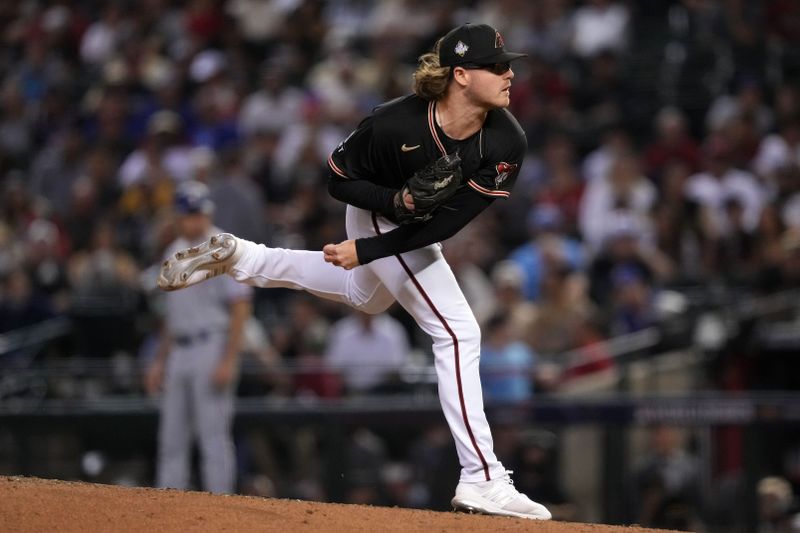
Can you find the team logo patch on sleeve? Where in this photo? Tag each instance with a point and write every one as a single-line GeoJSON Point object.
{"type": "Point", "coordinates": [503, 171]}
{"type": "Point", "coordinates": [461, 48]}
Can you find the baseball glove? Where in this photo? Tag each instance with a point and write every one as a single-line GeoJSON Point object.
{"type": "Point", "coordinates": [429, 187]}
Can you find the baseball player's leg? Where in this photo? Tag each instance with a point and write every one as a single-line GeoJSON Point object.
{"type": "Point", "coordinates": [423, 283]}
{"type": "Point", "coordinates": [262, 266]}
{"type": "Point", "coordinates": [213, 422]}
{"type": "Point", "coordinates": [432, 296]}
{"type": "Point", "coordinates": [174, 431]}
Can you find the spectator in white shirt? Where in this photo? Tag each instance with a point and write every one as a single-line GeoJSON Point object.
{"type": "Point", "coordinates": [748, 99]}
{"type": "Point", "coordinates": [721, 181]}
{"type": "Point", "coordinates": [273, 106]}
{"type": "Point", "coordinates": [260, 21]}
{"type": "Point", "coordinates": [778, 150]}
{"type": "Point", "coordinates": [102, 39]}
{"type": "Point", "coordinates": [623, 187]}
{"type": "Point", "coordinates": [597, 163]}
{"type": "Point", "coordinates": [367, 350]}
{"type": "Point", "coordinates": [598, 26]}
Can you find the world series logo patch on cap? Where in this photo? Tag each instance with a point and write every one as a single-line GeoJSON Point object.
{"type": "Point", "coordinates": [498, 40]}
{"type": "Point", "coordinates": [461, 48]}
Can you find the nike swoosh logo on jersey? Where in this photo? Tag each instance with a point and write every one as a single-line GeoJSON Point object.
{"type": "Point", "coordinates": [408, 148]}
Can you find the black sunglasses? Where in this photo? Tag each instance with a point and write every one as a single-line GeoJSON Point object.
{"type": "Point", "coordinates": [494, 68]}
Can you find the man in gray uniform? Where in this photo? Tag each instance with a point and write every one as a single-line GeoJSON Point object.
{"type": "Point", "coordinates": [197, 361]}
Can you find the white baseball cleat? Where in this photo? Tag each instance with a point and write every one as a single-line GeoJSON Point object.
{"type": "Point", "coordinates": [497, 497]}
{"type": "Point", "coordinates": [199, 263]}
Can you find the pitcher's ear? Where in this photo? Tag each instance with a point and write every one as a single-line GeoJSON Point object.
{"type": "Point", "coordinates": [460, 75]}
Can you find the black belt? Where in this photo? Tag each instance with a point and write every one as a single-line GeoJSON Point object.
{"type": "Point", "coordinates": [188, 339]}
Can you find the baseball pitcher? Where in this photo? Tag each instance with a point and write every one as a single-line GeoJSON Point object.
{"type": "Point", "coordinates": [413, 174]}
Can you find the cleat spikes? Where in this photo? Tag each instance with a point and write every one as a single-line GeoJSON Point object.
{"type": "Point", "coordinates": [198, 263]}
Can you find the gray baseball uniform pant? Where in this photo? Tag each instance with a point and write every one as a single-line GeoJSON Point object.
{"type": "Point", "coordinates": [191, 406]}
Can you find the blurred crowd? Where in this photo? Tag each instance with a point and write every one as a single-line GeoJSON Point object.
{"type": "Point", "coordinates": [664, 152]}
{"type": "Point", "coordinates": [664, 144]}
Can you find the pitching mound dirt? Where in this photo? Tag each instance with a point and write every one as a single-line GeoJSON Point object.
{"type": "Point", "coordinates": [40, 505]}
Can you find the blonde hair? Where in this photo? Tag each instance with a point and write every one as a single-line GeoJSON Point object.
{"type": "Point", "coordinates": [430, 78]}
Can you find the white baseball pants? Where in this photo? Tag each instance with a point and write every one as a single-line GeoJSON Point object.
{"type": "Point", "coordinates": [423, 283]}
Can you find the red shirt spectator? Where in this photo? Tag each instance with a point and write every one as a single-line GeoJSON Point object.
{"type": "Point", "coordinates": [672, 144]}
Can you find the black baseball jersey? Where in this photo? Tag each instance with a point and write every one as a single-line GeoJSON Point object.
{"type": "Point", "coordinates": [401, 137]}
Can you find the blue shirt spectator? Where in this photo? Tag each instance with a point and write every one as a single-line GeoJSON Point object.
{"type": "Point", "coordinates": [549, 246]}
{"type": "Point", "coordinates": [506, 364]}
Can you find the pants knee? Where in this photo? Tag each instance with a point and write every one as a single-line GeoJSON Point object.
{"type": "Point", "coordinates": [467, 334]}
{"type": "Point", "coordinates": [470, 335]}
{"type": "Point", "coordinates": [373, 303]}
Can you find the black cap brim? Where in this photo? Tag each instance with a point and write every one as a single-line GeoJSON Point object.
{"type": "Point", "coordinates": [502, 57]}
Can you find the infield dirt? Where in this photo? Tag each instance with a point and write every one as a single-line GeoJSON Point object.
{"type": "Point", "coordinates": [40, 505]}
